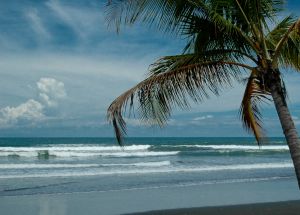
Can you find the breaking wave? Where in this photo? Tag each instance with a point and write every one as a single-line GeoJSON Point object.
{"type": "Point", "coordinates": [234, 147]}
{"type": "Point", "coordinates": [239, 167]}
{"type": "Point", "coordinates": [53, 166]}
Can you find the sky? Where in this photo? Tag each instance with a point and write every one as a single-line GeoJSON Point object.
{"type": "Point", "coordinates": [61, 66]}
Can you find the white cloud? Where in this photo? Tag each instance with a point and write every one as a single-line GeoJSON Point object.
{"type": "Point", "coordinates": [136, 122]}
{"type": "Point", "coordinates": [37, 24]}
{"type": "Point", "coordinates": [29, 111]}
{"type": "Point", "coordinates": [296, 120]}
{"type": "Point", "coordinates": [203, 117]}
{"type": "Point", "coordinates": [56, 7]}
{"type": "Point", "coordinates": [80, 20]}
{"type": "Point", "coordinates": [92, 81]}
{"type": "Point", "coordinates": [51, 90]}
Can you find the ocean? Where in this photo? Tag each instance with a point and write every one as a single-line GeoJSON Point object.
{"type": "Point", "coordinates": [30, 166]}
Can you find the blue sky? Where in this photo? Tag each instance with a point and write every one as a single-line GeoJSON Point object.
{"type": "Point", "coordinates": [61, 66]}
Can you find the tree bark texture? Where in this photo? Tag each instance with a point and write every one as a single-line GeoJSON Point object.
{"type": "Point", "coordinates": [288, 126]}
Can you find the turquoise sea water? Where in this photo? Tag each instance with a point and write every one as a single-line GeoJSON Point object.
{"type": "Point", "coordinates": [31, 166]}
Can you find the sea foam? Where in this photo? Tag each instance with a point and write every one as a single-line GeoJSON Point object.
{"type": "Point", "coordinates": [92, 165]}
{"type": "Point", "coordinates": [75, 148]}
{"type": "Point", "coordinates": [83, 151]}
{"type": "Point", "coordinates": [234, 147]}
{"type": "Point", "coordinates": [66, 154]}
{"type": "Point", "coordinates": [239, 167]}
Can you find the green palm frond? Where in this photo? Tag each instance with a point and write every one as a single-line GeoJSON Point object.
{"type": "Point", "coordinates": [257, 15]}
{"type": "Point", "coordinates": [184, 18]}
{"type": "Point", "coordinates": [222, 35]}
{"type": "Point", "coordinates": [254, 95]}
{"type": "Point", "coordinates": [290, 53]}
{"type": "Point", "coordinates": [174, 81]}
{"type": "Point", "coordinates": [261, 11]}
{"type": "Point", "coordinates": [284, 39]}
{"type": "Point", "coordinates": [274, 36]}
{"type": "Point", "coordinates": [165, 14]}
{"type": "Point", "coordinates": [203, 34]}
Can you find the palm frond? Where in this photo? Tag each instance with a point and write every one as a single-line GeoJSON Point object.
{"type": "Point", "coordinates": [165, 14]}
{"type": "Point", "coordinates": [257, 11]}
{"type": "Point", "coordinates": [174, 15]}
{"type": "Point", "coordinates": [290, 52]}
{"type": "Point", "coordinates": [173, 81]}
{"type": "Point", "coordinates": [285, 41]}
{"type": "Point", "coordinates": [204, 35]}
{"type": "Point", "coordinates": [274, 36]}
{"type": "Point", "coordinates": [250, 111]}
{"type": "Point", "coordinates": [257, 15]}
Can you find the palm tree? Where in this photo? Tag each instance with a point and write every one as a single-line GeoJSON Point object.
{"type": "Point", "coordinates": [226, 41]}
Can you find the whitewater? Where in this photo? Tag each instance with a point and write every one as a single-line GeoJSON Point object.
{"type": "Point", "coordinates": [52, 165]}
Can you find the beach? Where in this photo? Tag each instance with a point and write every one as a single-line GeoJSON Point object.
{"type": "Point", "coordinates": [62, 176]}
{"type": "Point", "coordinates": [161, 198]}
{"type": "Point", "coordinates": [128, 107]}
{"type": "Point", "coordinates": [274, 208]}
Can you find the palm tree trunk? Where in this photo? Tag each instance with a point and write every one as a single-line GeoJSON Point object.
{"type": "Point", "coordinates": [287, 123]}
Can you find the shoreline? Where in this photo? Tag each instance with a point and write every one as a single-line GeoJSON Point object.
{"type": "Point", "coordinates": [269, 208]}
{"type": "Point", "coordinates": [162, 199]}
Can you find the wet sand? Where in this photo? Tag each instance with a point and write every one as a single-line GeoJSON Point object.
{"type": "Point", "coordinates": [202, 199]}
{"type": "Point", "coordinates": [275, 208]}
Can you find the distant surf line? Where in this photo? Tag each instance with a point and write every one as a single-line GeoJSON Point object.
{"type": "Point", "coordinates": [232, 147]}
{"type": "Point", "coordinates": [51, 166]}
{"type": "Point", "coordinates": [241, 167]}
{"type": "Point", "coordinates": [49, 154]}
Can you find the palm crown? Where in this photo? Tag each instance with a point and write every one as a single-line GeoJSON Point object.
{"type": "Point", "coordinates": [226, 40]}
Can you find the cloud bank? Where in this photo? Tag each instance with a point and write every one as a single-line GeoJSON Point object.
{"type": "Point", "coordinates": [50, 92]}
{"type": "Point", "coordinates": [70, 46]}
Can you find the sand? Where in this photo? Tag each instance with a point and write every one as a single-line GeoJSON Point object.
{"type": "Point", "coordinates": [274, 208]}
{"type": "Point", "coordinates": [195, 197]}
